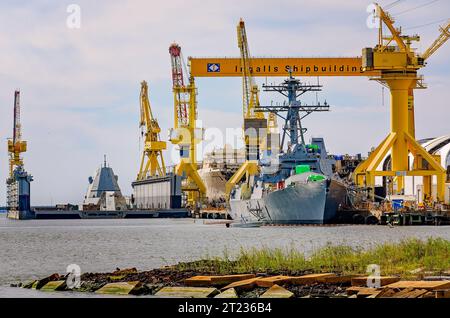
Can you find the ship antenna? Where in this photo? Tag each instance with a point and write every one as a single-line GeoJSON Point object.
{"type": "Point", "coordinates": [104, 158]}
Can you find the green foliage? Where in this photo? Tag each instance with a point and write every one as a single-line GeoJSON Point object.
{"type": "Point", "coordinates": [399, 258]}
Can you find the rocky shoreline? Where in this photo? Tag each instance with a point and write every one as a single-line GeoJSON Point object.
{"type": "Point", "coordinates": [172, 282]}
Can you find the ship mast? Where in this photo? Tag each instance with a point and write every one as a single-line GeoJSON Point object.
{"type": "Point", "coordinates": [295, 111]}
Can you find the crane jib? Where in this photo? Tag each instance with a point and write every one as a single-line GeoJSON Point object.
{"type": "Point", "coordinates": [232, 67]}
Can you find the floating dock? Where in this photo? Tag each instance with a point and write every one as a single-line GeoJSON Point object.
{"type": "Point", "coordinates": [130, 214]}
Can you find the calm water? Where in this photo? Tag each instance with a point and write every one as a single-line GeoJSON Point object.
{"type": "Point", "coordinates": [36, 248]}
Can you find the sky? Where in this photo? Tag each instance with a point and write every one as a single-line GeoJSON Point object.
{"type": "Point", "coordinates": [80, 86]}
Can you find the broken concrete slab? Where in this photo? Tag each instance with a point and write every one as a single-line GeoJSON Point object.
{"type": "Point", "coordinates": [29, 284]}
{"type": "Point", "coordinates": [345, 279]}
{"type": "Point", "coordinates": [198, 281]}
{"type": "Point", "coordinates": [246, 284]}
{"type": "Point", "coordinates": [384, 280]}
{"type": "Point", "coordinates": [410, 293]}
{"type": "Point", "coordinates": [229, 293]}
{"type": "Point", "coordinates": [429, 294]}
{"type": "Point", "coordinates": [228, 279]}
{"type": "Point", "coordinates": [205, 281]}
{"type": "Point", "coordinates": [310, 279]}
{"type": "Point", "coordinates": [367, 292]}
{"type": "Point", "coordinates": [443, 293]}
{"type": "Point", "coordinates": [273, 280]}
{"type": "Point", "coordinates": [428, 285]}
{"type": "Point", "coordinates": [41, 283]}
{"type": "Point", "coordinates": [121, 288]}
{"type": "Point", "coordinates": [387, 293]}
{"type": "Point", "coordinates": [57, 285]}
{"type": "Point", "coordinates": [277, 291]}
{"type": "Point", "coordinates": [355, 290]}
{"type": "Point", "coordinates": [186, 292]}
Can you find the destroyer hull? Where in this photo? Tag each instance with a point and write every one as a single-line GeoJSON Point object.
{"type": "Point", "coordinates": [304, 203]}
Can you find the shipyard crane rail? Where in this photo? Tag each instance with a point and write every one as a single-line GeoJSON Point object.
{"type": "Point", "coordinates": [185, 134]}
{"type": "Point", "coordinates": [153, 146]}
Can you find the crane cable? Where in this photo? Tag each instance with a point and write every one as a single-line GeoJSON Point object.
{"type": "Point", "coordinates": [427, 24]}
{"type": "Point", "coordinates": [392, 4]}
{"type": "Point", "coordinates": [414, 8]}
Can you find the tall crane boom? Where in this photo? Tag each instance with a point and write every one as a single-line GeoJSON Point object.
{"type": "Point", "coordinates": [17, 135]}
{"type": "Point", "coordinates": [182, 97]}
{"type": "Point", "coordinates": [443, 37]}
{"type": "Point", "coordinates": [185, 133]}
{"type": "Point", "coordinates": [255, 123]}
{"type": "Point", "coordinates": [153, 146]}
{"type": "Point", "coordinates": [247, 80]}
{"type": "Point", "coordinates": [15, 145]}
{"type": "Point", "coordinates": [250, 89]}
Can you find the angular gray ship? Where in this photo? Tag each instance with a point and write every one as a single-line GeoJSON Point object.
{"type": "Point", "coordinates": [296, 186]}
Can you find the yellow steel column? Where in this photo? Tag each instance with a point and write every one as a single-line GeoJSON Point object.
{"type": "Point", "coordinates": [427, 187]}
{"type": "Point", "coordinates": [400, 123]}
{"type": "Point", "coordinates": [441, 178]}
{"type": "Point", "coordinates": [411, 119]}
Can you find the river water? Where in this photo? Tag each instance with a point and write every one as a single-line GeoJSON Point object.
{"type": "Point", "coordinates": [36, 248]}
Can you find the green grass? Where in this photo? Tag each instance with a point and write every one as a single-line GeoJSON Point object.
{"type": "Point", "coordinates": [399, 258]}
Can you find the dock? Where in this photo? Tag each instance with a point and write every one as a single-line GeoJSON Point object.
{"type": "Point", "coordinates": [130, 214]}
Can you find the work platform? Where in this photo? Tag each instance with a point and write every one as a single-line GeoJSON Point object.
{"type": "Point", "coordinates": [127, 214]}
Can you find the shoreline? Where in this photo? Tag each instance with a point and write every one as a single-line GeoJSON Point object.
{"type": "Point", "coordinates": [332, 271]}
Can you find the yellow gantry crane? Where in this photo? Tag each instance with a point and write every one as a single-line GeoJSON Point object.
{"type": "Point", "coordinates": [398, 64]}
{"type": "Point", "coordinates": [255, 123]}
{"type": "Point", "coordinates": [16, 145]}
{"type": "Point", "coordinates": [185, 134]}
{"type": "Point", "coordinates": [152, 163]}
{"type": "Point", "coordinates": [403, 69]}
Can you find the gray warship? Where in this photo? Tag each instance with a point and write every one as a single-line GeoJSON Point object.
{"type": "Point", "coordinates": [296, 186]}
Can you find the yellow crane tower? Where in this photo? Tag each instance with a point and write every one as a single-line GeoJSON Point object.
{"type": "Point", "coordinates": [16, 145]}
{"type": "Point", "coordinates": [185, 134]}
{"type": "Point", "coordinates": [255, 123]}
{"type": "Point", "coordinates": [353, 66]}
{"type": "Point", "coordinates": [153, 146]}
{"type": "Point", "coordinates": [398, 64]}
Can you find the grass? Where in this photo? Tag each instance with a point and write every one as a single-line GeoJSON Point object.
{"type": "Point", "coordinates": [400, 258]}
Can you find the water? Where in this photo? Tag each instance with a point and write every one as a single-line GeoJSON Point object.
{"type": "Point", "coordinates": [36, 248]}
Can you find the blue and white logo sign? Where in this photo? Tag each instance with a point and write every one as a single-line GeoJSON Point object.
{"type": "Point", "coordinates": [213, 67]}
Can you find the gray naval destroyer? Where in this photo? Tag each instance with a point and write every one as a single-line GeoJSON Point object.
{"type": "Point", "coordinates": [296, 186]}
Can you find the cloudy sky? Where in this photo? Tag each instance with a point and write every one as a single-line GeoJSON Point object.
{"type": "Point", "coordinates": [80, 87]}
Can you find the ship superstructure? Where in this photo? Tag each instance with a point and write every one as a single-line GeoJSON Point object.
{"type": "Point", "coordinates": [298, 184]}
{"type": "Point", "coordinates": [104, 192]}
